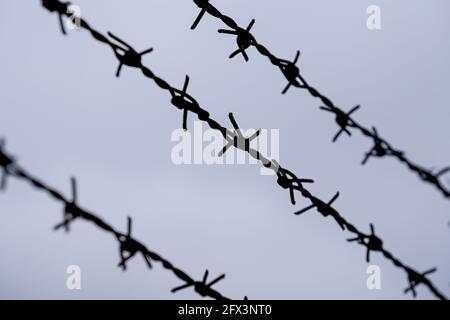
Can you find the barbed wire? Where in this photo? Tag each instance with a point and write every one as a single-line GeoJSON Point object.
{"type": "Point", "coordinates": [285, 178]}
{"type": "Point", "coordinates": [381, 147]}
{"type": "Point", "coordinates": [128, 246]}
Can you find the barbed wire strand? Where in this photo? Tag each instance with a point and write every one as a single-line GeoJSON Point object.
{"type": "Point", "coordinates": [126, 55]}
{"type": "Point", "coordinates": [128, 246]}
{"type": "Point", "coordinates": [381, 147]}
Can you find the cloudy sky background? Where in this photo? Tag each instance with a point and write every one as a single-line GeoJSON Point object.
{"type": "Point", "coordinates": [64, 113]}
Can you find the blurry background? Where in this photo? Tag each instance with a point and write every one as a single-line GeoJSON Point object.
{"type": "Point", "coordinates": [64, 113]}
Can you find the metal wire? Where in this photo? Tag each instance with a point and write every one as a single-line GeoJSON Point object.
{"type": "Point", "coordinates": [380, 147]}
{"type": "Point", "coordinates": [128, 246]}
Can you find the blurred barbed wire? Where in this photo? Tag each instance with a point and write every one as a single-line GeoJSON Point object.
{"type": "Point", "coordinates": [380, 147]}
{"type": "Point", "coordinates": [128, 246]}
{"type": "Point", "coordinates": [128, 56]}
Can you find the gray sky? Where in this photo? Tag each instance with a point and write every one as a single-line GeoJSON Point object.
{"type": "Point", "coordinates": [64, 113]}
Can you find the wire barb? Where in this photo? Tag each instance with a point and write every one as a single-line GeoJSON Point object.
{"type": "Point", "coordinates": [5, 162]}
{"type": "Point", "coordinates": [431, 177]}
{"type": "Point", "coordinates": [201, 287]}
{"type": "Point", "coordinates": [287, 180]}
{"type": "Point", "coordinates": [325, 209]}
{"type": "Point", "coordinates": [378, 150]}
{"type": "Point", "coordinates": [183, 101]}
{"type": "Point", "coordinates": [236, 139]}
{"type": "Point", "coordinates": [129, 247]}
{"type": "Point", "coordinates": [126, 54]}
{"type": "Point", "coordinates": [343, 119]}
{"type": "Point", "coordinates": [415, 278]}
{"type": "Point", "coordinates": [372, 242]}
{"type": "Point", "coordinates": [60, 8]}
{"type": "Point", "coordinates": [71, 210]}
{"type": "Point", "coordinates": [201, 4]}
{"type": "Point", "coordinates": [244, 39]}
{"type": "Point", "coordinates": [291, 72]}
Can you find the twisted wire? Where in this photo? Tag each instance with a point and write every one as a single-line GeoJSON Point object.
{"type": "Point", "coordinates": [286, 179]}
{"type": "Point", "coordinates": [380, 146]}
{"type": "Point", "coordinates": [128, 246]}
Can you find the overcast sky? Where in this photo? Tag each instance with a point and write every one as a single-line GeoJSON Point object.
{"type": "Point", "coordinates": [64, 113]}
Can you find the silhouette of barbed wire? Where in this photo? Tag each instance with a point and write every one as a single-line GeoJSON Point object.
{"type": "Point", "coordinates": [381, 148]}
{"type": "Point", "coordinates": [128, 246]}
{"type": "Point", "coordinates": [285, 178]}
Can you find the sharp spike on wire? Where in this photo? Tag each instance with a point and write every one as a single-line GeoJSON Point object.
{"type": "Point", "coordinates": [73, 183]}
{"type": "Point", "coordinates": [250, 26]}
{"type": "Point", "coordinates": [129, 226]}
{"type": "Point", "coordinates": [296, 57]}
{"type": "Point", "coordinates": [185, 86]}
{"type": "Point", "coordinates": [219, 278]}
{"type": "Point", "coordinates": [197, 20]}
